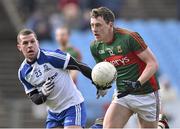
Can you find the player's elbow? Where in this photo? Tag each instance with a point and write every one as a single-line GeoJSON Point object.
{"type": "Point", "coordinates": [155, 65]}
{"type": "Point", "coordinates": [37, 102]}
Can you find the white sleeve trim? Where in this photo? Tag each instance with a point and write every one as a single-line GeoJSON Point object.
{"type": "Point", "coordinates": [28, 91]}
{"type": "Point", "coordinates": [66, 61]}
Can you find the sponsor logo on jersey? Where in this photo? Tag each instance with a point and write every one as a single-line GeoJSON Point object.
{"type": "Point", "coordinates": [118, 60]}
{"type": "Point", "coordinates": [110, 51]}
{"type": "Point", "coordinates": [122, 60]}
{"type": "Point", "coordinates": [101, 51]}
{"type": "Point", "coordinates": [119, 49]}
{"type": "Point", "coordinates": [51, 78]}
{"type": "Point", "coordinates": [40, 84]}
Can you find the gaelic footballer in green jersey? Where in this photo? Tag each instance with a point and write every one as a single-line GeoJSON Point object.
{"type": "Point", "coordinates": [121, 52]}
{"type": "Point", "coordinates": [136, 66]}
{"type": "Point", "coordinates": [62, 37]}
{"type": "Point", "coordinates": [76, 55]}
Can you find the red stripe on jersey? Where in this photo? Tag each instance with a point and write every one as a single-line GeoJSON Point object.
{"type": "Point", "coordinates": [133, 35]}
{"type": "Point", "coordinates": [139, 40]}
{"type": "Point", "coordinates": [122, 31]}
{"type": "Point", "coordinates": [122, 60]}
{"type": "Point", "coordinates": [154, 83]}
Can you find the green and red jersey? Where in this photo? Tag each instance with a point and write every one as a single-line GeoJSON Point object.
{"type": "Point", "coordinates": [74, 53]}
{"type": "Point", "coordinates": [122, 53]}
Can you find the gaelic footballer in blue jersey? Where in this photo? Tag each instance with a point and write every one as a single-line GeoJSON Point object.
{"type": "Point", "coordinates": [46, 79]}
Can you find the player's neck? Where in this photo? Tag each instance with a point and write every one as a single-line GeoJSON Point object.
{"type": "Point", "coordinates": [109, 38]}
{"type": "Point", "coordinates": [64, 47]}
{"type": "Point", "coordinates": [30, 61]}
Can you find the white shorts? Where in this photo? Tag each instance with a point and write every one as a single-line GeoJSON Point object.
{"type": "Point", "coordinates": [146, 106]}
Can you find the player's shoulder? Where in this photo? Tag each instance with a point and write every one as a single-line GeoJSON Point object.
{"type": "Point", "coordinates": [94, 44]}
{"type": "Point", "coordinates": [53, 52]}
{"type": "Point", "coordinates": [124, 31]}
{"type": "Point", "coordinates": [23, 65]}
{"type": "Point", "coordinates": [56, 53]}
{"type": "Point", "coordinates": [128, 33]}
{"type": "Point", "coordinates": [24, 68]}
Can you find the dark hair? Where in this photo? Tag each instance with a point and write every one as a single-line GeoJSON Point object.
{"type": "Point", "coordinates": [25, 32]}
{"type": "Point", "coordinates": [103, 12]}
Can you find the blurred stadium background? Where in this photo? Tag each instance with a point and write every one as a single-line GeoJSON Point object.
{"type": "Point", "coordinates": [156, 20]}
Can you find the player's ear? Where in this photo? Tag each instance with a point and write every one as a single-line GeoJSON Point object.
{"type": "Point", "coordinates": [37, 42]}
{"type": "Point", "coordinates": [111, 24]}
{"type": "Point", "coordinates": [18, 47]}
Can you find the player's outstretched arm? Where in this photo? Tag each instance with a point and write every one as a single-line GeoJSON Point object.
{"type": "Point", "coordinates": [83, 68]}
{"type": "Point", "coordinates": [86, 71]}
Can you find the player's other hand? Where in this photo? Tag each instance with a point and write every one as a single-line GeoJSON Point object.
{"type": "Point", "coordinates": [101, 90]}
{"type": "Point", "coordinates": [131, 85]}
{"type": "Point", "coordinates": [47, 87]}
{"type": "Point", "coordinates": [101, 93]}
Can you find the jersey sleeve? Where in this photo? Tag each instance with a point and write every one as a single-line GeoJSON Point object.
{"type": "Point", "coordinates": [27, 86]}
{"type": "Point", "coordinates": [58, 59]}
{"type": "Point", "coordinates": [94, 52]}
{"type": "Point", "coordinates": [137, 43]}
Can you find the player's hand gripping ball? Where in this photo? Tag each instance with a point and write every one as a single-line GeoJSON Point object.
{"type": "Point", "coordinates": [104, 74]}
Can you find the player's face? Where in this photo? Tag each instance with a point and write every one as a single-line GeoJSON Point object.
{"type": "Point", "coordinates": [100, 28]}
{"type": "Point", "coordinates": [62, 36]}
{"type": "Point", "coordinates": [29, 46]}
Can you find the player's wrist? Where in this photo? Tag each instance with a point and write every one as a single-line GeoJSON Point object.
{"type": "Point", "coordinates": [138, 83]}
{"type": "Point", "coordinates": [41, 94]}
{"type": "Point", "coordinates": [101, 87]}
{"type": "Point", "coordinates": [44, 92]}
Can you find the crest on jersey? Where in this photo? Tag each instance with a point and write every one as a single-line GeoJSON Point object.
{"type": "Point", "coordinates": [119, 49]}
{"type": "Point", "coordinates": [101, 51]}
{"type": "Point", "coordinates": [46, 68]}
{"type": "Point", "coordinates": [110, 51]}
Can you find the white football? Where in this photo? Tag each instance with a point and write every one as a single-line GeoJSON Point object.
{"type": "Point", "coordinates": [104, 74]}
